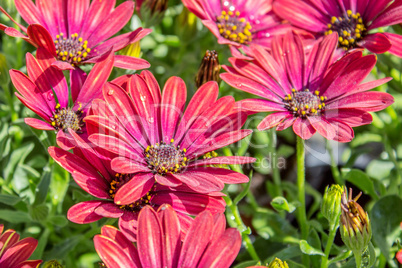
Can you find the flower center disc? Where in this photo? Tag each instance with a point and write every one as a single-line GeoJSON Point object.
{"type": "Point", "coordinates": [65, 118]}
{"type": "Point", "coordinates": [304, 103]}
{"type": "Point", "coordinates": [118, 182]}
{"type": "Point", "coordinates": [234, 28]}
{"type": "Point", "coordinates": [72, 49]}
{"type": "Point", "coordinates": [350, 29]}
{"type": "Point", "coordinates": [165, 158]}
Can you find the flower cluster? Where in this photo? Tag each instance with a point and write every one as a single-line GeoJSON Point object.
{"type": "Point", "coordinates": [148, 159]}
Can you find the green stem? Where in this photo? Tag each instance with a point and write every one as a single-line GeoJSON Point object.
{"type": "Point", "coordinates": [334, 167]}
{"type": "Point", "coordinates": [358, 259]}
{"type": "Point", "coordinates": [330, 241]}
{"type": "Point", "coordinates": [242, 228]}
{"type": "Point", "coordinates": [301, 215]}
{"type": "Point", "coordinates": [276, 176]}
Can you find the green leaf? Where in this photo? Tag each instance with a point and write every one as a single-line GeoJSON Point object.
{"type": "Point", "coordinates": [309, 250]}
{"type": "Point", "coordinates": [281, 204]}
{"type": "Point", "coordinates": [14, 216]}
{"type": "Point", "coordinates": [270, 225]}
{"type": "Point", "coordinates": [60, 221]}
{"type": "Point", "coordinates": [39, 212]}
{"type": "Point", "coordinates": [385, 217]}
{"type": "Point", "coordinates": [379, 169]}
{"type": "Point", "coordinates": [361, 180]}
{"type": "Point", "coordinates": [246, 264]}
{"type": "Point", "coordinates": [9, 199]}
{"type": "Point", "coordinates": [43, 187]}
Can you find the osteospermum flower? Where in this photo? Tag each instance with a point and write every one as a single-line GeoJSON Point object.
{"type": "Point", "coordinates": [154, 137]}
{"type": "Point", "coordinates": [45, 92]}
{"type": "Point", "coordinates": [239, 23]}
{"type": "Point", "coordinates": [355, 21]}
{"type": "Point", "coordinates": [92, 172]}
{"type": "Point", "coordinates": [77, 32]}
{"type": "Point", "coordinates": [207, 243]}
{"type": "Point", "coordinates": [305, 91]}
{"type": "Point", "coordinates": [15, 252]}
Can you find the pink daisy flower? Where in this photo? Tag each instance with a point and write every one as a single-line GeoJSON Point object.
{"type": "Point", "coordinates": [46, 93]}
{"type": "Point", "coordinates": [355, 21]}
{"type": "Point", "coordinates": [308, 91]}
{"type": "Point", "coordinates": [154, 137]}
{"type": "Point", "coordinates": [239, 23]}
{"type": "Point", "coordinates": [15, 252]}
{"type": "Point", "coordinates": [78, 32]}
{"type": "Point", "coordinates": [91, 170]}
{"type": "Point", "coordinates": [207, 243]}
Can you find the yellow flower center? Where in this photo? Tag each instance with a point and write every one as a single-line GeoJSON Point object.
{"type": "Point", "coordinates": [350, 29]}
{"type": "Point", "coordinates": [305, 103]}
{"type": "Point", "coordinates": [234, 28]}
{"type": "Point", "coordinates": [72, 49]}
{"type": "Point", "coordinates": [165, 158]}
{"type": "Point", "coordinates": [65, 118]}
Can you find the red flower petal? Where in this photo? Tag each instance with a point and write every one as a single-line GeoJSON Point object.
{"type": "Point", "coordinates": [40, 36]}
{"type": "Point", "coordinates": [376, 43]}
{"type": "Point", "coordinates": [138, 186]}
{"type": "Point", "coordinates": [38, 124]}
{"type": "Point", "coordinates": [150, 244]}
{"type": "Point", "coordinates": [84, 212]}
{"type": "Point", "coordinates": [111, 253]}
{"type": "Point", "coordinates": [18, 252]}
{"type": "Point", "coordinates": [303, 128]}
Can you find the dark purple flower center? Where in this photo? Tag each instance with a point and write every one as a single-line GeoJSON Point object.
{"type": "Point", "coordinates": [121, 179]}
{"type": "Point", "coordinates": [234, 28]}
{"type": "Point", "coordinates": [65, 118]}
{"type": "Point", "coordinates": [304, 103]}
{"type": "Point", "coordinates": [73, 49]}
{"type": "Point", "coordinates": [165, 158]}
{"type": "Point", "coordinates": [350, 29]}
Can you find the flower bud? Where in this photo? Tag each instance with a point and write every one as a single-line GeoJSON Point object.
{"type": "Point", "coordinates": [277, 263]}
{"type": "Point", "coordinates": [331, 204]}
{"type": "Point", "coordinates": [152, 11]}
{"type": "Point", "coordinates": [209, 69]}
{"type": "Point", "coordinates": [355, 224]}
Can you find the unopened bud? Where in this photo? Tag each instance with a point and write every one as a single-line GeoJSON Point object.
{"type": "Point", "coordinates": [331, 204]}
{"type": "Point", "coordinates": [209, 69]}
{"type": "Point", "coordinates": [132, 50]}
{"type": "Point", "coordinates": [277, 263]}
{"type": "Point", "coordinates": [355, 224]}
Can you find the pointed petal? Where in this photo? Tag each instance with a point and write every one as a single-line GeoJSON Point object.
{"type": "Point", "coordinates": [128, 225]}
{"type": "Point", "coordinates": [130, 63]}
{"type": "Point", "coordinates": [124, 165]}
{"type": "Point", "coordinates": [150, 244]}
{"type": "Point", "coordinates": [222, 160]}
{"type": "Point", "coordinates": [303, 128]}
{"type": "Point", "coordinates": [84, 212]}
{"type": "Point", "coordinates": [137, 187]}
{"type": "Point", "coordinates": [62, 65]}
{"type": "Point", "coordinates": [196, 240]}
{"type": "Point", "coordinates": [111, 253]}
{"type": "Point", "coordinates": [113, 23]}
{"type": "Point", "coordinates": [29, 12]}
{"type": "Point", "coordinates": [77, 80]}
{"type": "Point", "coordinates": [396, 41]}
{"type": "Point", "coordinates": [223, 251]}
{"type": "Point", "coordinates": [171, 235]}
{"type": "Point", "coordinates": [18, 252]}
{"type": "Point", "coordinates": [40, 36]}
{"type": "Point", "coordinates": [272, 120]}
{"type": "Point", "coordinates": [38, 124]}
{"type": "Point", "coordinates": [76, 11]}
{"type": "Point", "coordinates": [172, 106]}
{"type": "Point", "coordinates": [376, 43]}
{"type": "Point", "coordinates": [109, 210]}
{"type": "Point", "coordinates": [322, 126]}
{"type": "Point", "coordinates": [97, 12]}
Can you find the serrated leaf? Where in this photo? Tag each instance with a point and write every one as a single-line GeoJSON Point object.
{"type": "Point", "coordinates": [9, 199]}
{"type": "Point", "coordinates": [309, 250]}
{"type": "Point", "coordinates": [281, 204]}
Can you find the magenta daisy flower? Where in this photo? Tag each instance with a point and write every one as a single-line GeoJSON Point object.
{"type": "Point", "coordinates": [305, 91]}
{"type": "Point", "coordinates": [207, 243]}
{"type": "Point", "coordinates": [15, 252]}
{"type": "Point", "coordinates": [77, 32]}
{"type": "Point", "coordinates": [355, 21]}
{"type": "Point", "coordinates": [154, 137]}
{"type": "Point", "coordinates": [46, 93]}
{"type": "Point", "coordinates": [91, 170]}
{"type": "Point", "coordinates": [239, 23]}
